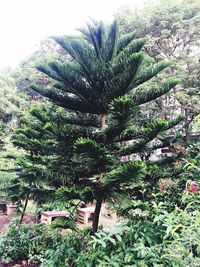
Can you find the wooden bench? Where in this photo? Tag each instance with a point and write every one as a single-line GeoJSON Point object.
{"type": "Point", "coordinates": [47, 216]}
{"type": "Point", "coordinates": [85, 215]}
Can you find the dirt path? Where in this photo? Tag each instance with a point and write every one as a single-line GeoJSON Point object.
{"type": "Point", "coordinates": [5, 219]}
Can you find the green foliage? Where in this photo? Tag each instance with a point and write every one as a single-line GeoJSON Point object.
{"type": "Point", "coordinates": [125, 174]}
{"type": "Point", "coordinates": [71, 153]}
{"type": "Point", "coordinates": [151, 235]}
{"type": "Point", "coordinates": [160, 237]}
{"type": "Point", "coordinates": [19, 241]}
{"type": "Point", "coordinates": [37, 243]}
{"type": "Point", "coordinates": [12, 104]}
{"type": "Point", "coordinates": [197, 122]}
{"type": "Point", "coordinates": [96, 75]}
{"type": "Point", "coordinates": [172, 28]}
{"type": "Point", "coordinates": [69, 250]}
{"type": "Point", "coordinates": [9, 182]}
{"type": "Point", "coordinates": [63, 224]}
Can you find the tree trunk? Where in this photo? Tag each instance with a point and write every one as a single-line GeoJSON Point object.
{"type": "Point", "coordinates": [95, 221]}
{"type": "Point", "coordinates": [187, 136]}
{"type": "Point", "coordinates": [24, 209]}
{"type": "Point", "coordinates": [103, 120]}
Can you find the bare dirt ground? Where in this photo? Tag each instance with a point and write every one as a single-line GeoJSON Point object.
{"type": "Point", "coordinates": [5, 219]}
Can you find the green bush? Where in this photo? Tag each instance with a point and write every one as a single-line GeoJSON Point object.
{"type": "Point", "coordinates": [63, 223]}
{"type": "Point", "coordinates": [69, 250]}
{"type": "Point", "coordinates": [14, 242]}
{"type": "Point", "coordinates": [152, 235]}
{"type": "Point", "coordinates": [167, 239]}
{"type": "Point", "coordinates": [27, 242]}
{"type": "Point", "coordinates": [161, 238]}
{"type": "Point", "coordinates": [38, 243]}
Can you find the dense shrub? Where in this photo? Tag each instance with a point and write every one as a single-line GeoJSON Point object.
{"type": "Point", "coordinates": [71, 251]}
{"type": "Point", "coordinates": [167, 239]}
{"type": "Point", "coordinates": [27, 242]}
{"type": "Point", "coordinates": [63, 223]}
{"type": "Point", "coordinates": [152, 235]}
{"type": "Point", "coordinates": [162, 239]}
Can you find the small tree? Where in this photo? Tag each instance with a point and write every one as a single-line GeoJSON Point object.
{"type": "Point", "coordinates": [101, 88]}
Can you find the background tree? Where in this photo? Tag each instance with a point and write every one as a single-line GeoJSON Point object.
{"type": "Point", "coordinates": [25, 74]}
{"type": "Point", "coordinates": [16, 99]}
{"type": "Point", "coordinates": [173, 31]}
{"type": "Point", "coordinates": [12, 104]}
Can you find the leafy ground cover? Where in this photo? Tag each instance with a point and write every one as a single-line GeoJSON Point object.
{"type": "Point", "coordinates": [151, 234]}
{"type": "Point", "coordinates": [19, 264]}
{"type": "Point", "coordinates": [154, 238]}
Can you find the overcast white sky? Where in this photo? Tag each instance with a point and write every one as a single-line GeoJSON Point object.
{"type": "Point", "coordinates": [24, 23]}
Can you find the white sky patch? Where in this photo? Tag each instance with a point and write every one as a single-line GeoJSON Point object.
{"type": "Point", "coordinates": [24, 23]}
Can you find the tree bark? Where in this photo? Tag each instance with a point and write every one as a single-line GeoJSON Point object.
{"type": "Point", "coordinates": [103, 120]}
{"type": "Point", "coordinates": [95, 221]}
{"type": "Point", "coordinates": [187, 136]}
{"type": "Point", "coordinates": [24, 209]}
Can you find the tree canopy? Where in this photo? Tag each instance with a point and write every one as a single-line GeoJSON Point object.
{"type": "Point", "coordinates": [81, 151]}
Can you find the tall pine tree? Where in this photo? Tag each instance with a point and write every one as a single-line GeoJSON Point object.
{"type": "Point", "coordinates": [101, 89]}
